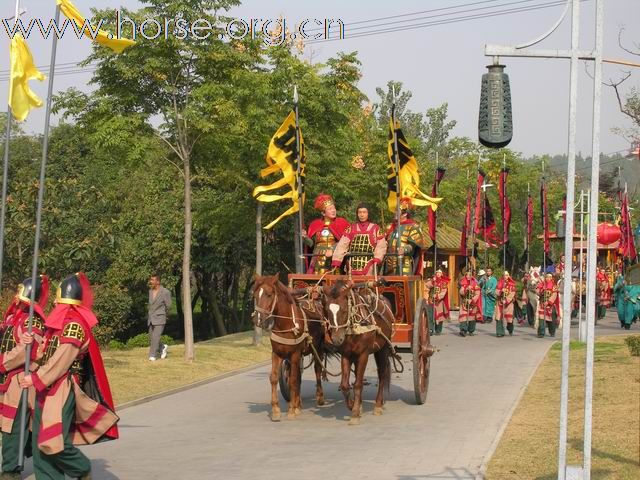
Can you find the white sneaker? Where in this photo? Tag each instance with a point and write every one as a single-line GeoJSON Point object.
{"type": "Point", "coordinates": [165, 350]}
{"type": "Point", "coordinates": [152, 359]}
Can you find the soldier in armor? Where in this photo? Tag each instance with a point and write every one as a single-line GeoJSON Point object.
{"type": "Point", "coordinates": [73, 399]}
{"type": "Point", "coordinates": [363, 237]}
{"type": "Point", "coordinates": [603, 292]}
{"type": "Point", "coordinates": [12, 357]}
{"type": "Point", "coordinates": [506, 295]}
{"type": "Point", "coordinates": [470, 304]}
{"type": "Point", "coordinates": [412, 243]}
{"type": "Point", "coordinates": [549, 313]}
{"type": "Point", "coordinates": [323, 235]}
{"type": "Point", "coordinates": [440, 300]}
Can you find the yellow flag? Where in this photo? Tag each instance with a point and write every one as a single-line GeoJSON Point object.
{"type": "Point", "coordinates": [103, 38]}
{"type": "Point", "coordinates": [281, 158]}
{"type": "Point", "coordinates": [408, 175]}
{"type": "Point", "coordinates": [21, 97]}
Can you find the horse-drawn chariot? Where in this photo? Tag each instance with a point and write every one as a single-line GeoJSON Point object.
{"type": "Point", "coordinates": [410, 327]}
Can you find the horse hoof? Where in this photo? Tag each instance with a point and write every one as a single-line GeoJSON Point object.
{"type": "Point", "coordinates": [297, 411]}
{"type": "Point", "coordinates": [320, 401]}
{"type": "Point", "coordinates": [354, 421]}
{"type": "Point", "coordinates": [291, 416]}
{"type": "Point", "coordinates": [275, 417]}
{"type": "Point", "coordinates": [377, 411]}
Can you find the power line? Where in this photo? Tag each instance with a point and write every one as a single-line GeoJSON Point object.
{"type": "Point", "coordinates": [448, 21]}
{"type": "Point", "coordinates": [348, 25]}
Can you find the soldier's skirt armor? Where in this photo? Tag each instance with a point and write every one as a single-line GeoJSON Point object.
{"type": "Point", "coordinates": [391, 267]}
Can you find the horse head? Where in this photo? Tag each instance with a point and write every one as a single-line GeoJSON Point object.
{"type": "Point", "coordinates": [336, 308]}
{"type": "Point", "coordinates": [265, 300]}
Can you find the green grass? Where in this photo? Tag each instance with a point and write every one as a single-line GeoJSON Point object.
{"type": "Point", "coordinates": [133, 376]}
{"type": "Point", "coordinates": [529, 447]}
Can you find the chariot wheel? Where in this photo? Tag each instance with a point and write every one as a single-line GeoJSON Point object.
{"type": "Point", "coordinates": [422, 351]}
{"type": "Point", "coordinates": [283, 378]}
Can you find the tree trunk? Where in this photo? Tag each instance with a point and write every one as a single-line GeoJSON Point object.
{"type": "Point", "coordinates": [218, 321]}
{"type": "Point", "coordinates": [177, 295]}
{"type": "Point", "coordinates": [189, 354]}
{"type": "Point", "coordinates": [257, 331]}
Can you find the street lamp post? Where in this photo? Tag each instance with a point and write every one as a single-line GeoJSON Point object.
{"type": "Point", "coordinates": [574, 55]}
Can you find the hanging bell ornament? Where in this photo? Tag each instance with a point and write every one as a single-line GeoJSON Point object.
{"type": "Point", "coordinates": [495, 125]}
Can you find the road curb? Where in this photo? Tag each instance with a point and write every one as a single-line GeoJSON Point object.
{"type": "Point", "coordinates": [199, 383]}
{"type": "Point", "coordinates": [503, 427]}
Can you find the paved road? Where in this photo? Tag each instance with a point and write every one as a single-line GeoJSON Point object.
{"type": "Point", "coordinates": [222, 430]}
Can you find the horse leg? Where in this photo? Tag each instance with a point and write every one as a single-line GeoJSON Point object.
{"type": "Point", "coordinates": [317, 367]}
{"type": "Point", "coordinates": [356, 411]}
{"type": "Point", "coordinates": [273, 378]}
{"type": "Point", "coordinates": [345, 388]}
{"type": "Point", "coordinates": [294, 385]}
{"type": "Point", "coordinates": [384, 375]}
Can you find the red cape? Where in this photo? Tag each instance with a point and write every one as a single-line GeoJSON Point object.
{"type": "Point", "coordinates": [464, 283]}
{"type": "Point", "coordinates": [337, 227]}
{"type": "Point", "coordinates": [62, 311]}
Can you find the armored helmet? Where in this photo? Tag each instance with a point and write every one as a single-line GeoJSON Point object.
{"type": "Point", "coordinates": [25, 290]}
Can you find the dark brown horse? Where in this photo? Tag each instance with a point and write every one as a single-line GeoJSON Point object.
{"type": "Point", "coordinates": [297, 329]}
{"type": "Point", "coordinates": [359, 325]}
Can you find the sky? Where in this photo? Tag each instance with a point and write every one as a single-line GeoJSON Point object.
{"type": "Point", "coordinates": [437, 63]}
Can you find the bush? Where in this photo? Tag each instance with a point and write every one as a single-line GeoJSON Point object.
{"type": "Point", "coordinates": [117, 345]}
{"type": "Point", "coordinates": [112, 307]}
{"type": "Point", "coordinates": [142, 340]}
{"type": "Point", "coordinates": [633, 342]}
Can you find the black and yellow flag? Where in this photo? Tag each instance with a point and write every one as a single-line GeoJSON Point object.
{"type": "Point", "coordinates": [409, 176]}
{"type": "Point", "coordinates": [281, 157]}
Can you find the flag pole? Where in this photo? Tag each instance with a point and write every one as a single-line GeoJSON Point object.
{"type": "Point", "coordinates": [527, 229]}
{"type": "Point", "coordinates": [435, 219]}
{"type": "Point", "coordinates": [36, 245]}
{"type": "Point", "coordinates": [299, 249]}
{"type": "Point", "coordinates": [504, 225]}
{"type": "Point", "coordinates": [466, 245]}
{"type": "Point", "coordinates": [398, 189]}
{"type": "Point", "coordinates": [5, 167]}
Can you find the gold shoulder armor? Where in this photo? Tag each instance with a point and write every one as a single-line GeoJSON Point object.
{"type": "Point", "coordinates": [36, 323]}
{"type": "Point", "coordinates": [75, 331]}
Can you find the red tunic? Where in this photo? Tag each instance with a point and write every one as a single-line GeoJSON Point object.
{"type": "Point", "coordinates": [441, 298]}
{"type": "Point", "coordinates": [472, 309]}
{"type": "Point", "coordinates": [548, 301]}
{"type": "Point", "coordinates": [325, 236]}
{"type": "Point", "coordinates": [506, 293]}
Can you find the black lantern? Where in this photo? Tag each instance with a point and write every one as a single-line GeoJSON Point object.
{"type": "Point", "coordinates": [495, 125]}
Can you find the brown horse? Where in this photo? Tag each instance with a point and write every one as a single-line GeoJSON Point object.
{"type": "Point", "coordinates": [358, 327]}
{"type": "Point", "coordinates": [296, 330]}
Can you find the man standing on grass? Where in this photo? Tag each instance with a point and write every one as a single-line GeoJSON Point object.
{"type": "Point", "coordinates": [159, 304]}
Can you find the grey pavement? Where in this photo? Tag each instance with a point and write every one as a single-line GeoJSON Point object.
{"type": "Point", "coordinates": [222, 429]}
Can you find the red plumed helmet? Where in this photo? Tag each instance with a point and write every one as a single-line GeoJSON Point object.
{"type": "Point", "coordinates": [323, 201]}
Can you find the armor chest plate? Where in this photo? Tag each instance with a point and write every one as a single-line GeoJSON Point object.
{"type": "Point", "coordinates": [8, 342]}
{"type": "Point", "coordinates": [324, 238]}
{"type": "Point", "coordinates": [52, 345]}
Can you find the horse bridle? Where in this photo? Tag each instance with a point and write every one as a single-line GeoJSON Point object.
{"type": "Point", "coordinates": [263, 311]}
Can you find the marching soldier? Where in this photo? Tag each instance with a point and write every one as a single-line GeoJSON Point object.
{"type": "Point", "coordinates": [488, 295]}
{"type": "Point", "coordinates": [506, 294]}
{"type": "Point", "coordinates": [67, 413]}
{"type": "Point", "coordinates": [363, 237]}
{"type": "Point", "coordinates": [440, 300]}
{"type": "Point", "coordinates": [12, 357]}
{"type": "Point", "coordinates": [549, 313]}
{"type": "Point", "coordinates": [410, 245]}
{"type": "Point", "coordinates": [603, 292]}
{"type": "Point", "coordinates": [470, 304]}
{"type": "Point", "coordinates": [323, 234]}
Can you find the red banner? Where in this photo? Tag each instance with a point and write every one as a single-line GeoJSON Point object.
{"type": "Point", "coordinates": [529, 221]}
{"type": "Point", "coordinates": [545, 216]}
{"type": "Point", "coordinates": [478, 212]}
{"type": "Point", "coordinates": [505, 207]}
{"type": "Point", "coordinates": [433, 222]}
{"type": "Point", "coordinates": [466, 227]}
